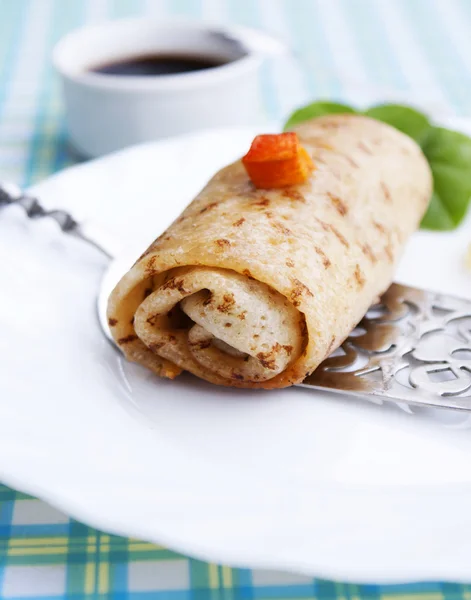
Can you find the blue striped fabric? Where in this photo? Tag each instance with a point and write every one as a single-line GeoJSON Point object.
{"type": "Point", "coordinates": [360, 51]}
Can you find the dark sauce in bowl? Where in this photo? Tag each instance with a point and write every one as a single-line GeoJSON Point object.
{"type": "Point", "coordinates": [159, 64]}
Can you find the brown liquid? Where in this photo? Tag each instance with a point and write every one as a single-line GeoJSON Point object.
{"type": "Point", "coordinates": [159, 64]}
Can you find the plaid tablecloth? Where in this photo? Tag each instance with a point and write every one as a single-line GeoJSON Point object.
{"type": "Point", "coordinates": [359, 50]}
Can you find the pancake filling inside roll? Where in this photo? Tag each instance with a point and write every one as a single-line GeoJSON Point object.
{"type": "Point", "coordinates": [218, 321]}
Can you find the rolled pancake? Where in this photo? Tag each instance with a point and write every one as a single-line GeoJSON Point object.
{"type": "Point", "coordinates": [255, 288]}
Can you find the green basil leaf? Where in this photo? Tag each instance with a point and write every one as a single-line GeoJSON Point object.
{"type": "Point", "coordinates": [408, 120]}
{"type": "Point", "coordinates": [444, 145]}
{"type": "Point", "coordinates": [316, 109]}
{"type": "Point", "coordinates": [436, 218]}
{"type": "Point", "coordinates": [452, 184]}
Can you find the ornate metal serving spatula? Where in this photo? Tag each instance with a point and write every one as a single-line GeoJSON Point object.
{"type": "Point", "coordinates": [413, 347]}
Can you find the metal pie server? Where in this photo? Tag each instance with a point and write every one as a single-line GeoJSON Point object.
{"type": "Point", "coordinates": [413, 347]}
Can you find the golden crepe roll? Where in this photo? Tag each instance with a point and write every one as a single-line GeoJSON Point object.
{"type": "Point", "coordinates": [254, 287]}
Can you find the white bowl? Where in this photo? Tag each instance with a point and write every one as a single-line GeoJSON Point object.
{"type": "Point", "coordinates": [108, 112]}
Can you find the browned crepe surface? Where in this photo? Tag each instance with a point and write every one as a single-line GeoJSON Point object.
{"type": "Point", "coordinates": [254, 288]}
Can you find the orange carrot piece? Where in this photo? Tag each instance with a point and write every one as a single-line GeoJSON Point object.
{"type": "Point", "coordinates": [277, 160]}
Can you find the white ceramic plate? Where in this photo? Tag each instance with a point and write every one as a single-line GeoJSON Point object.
{"type": "Point", "coordinates": [290, 479]}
